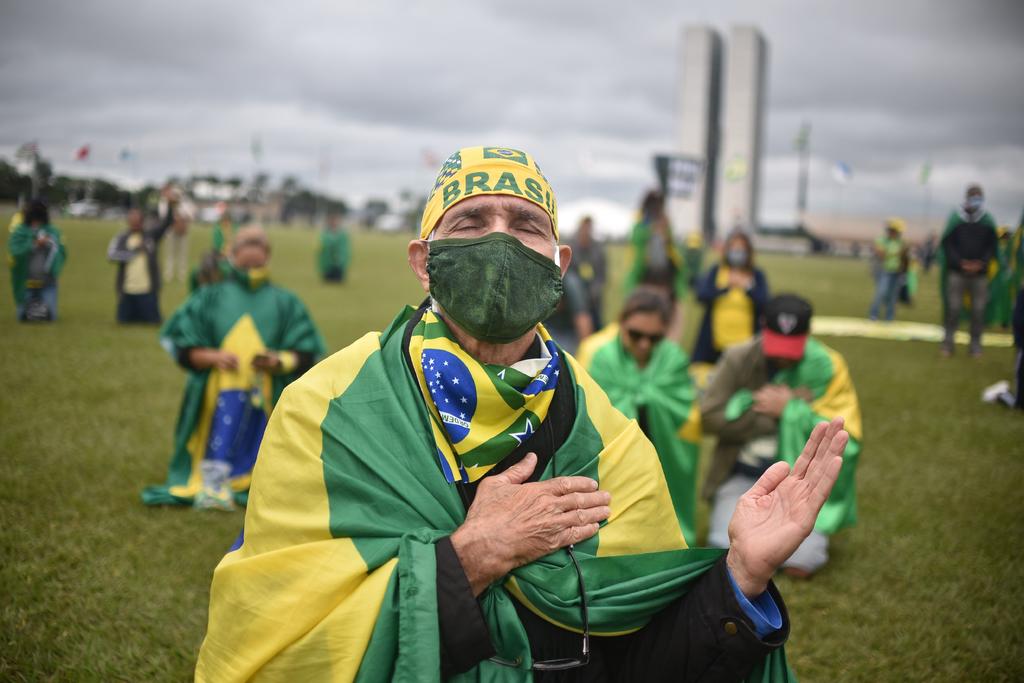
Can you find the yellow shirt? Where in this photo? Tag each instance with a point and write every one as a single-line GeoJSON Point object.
{"type": "Point", "coordinates": [136, 271]}
{"type": "Point", "coordinates": [732, 320]}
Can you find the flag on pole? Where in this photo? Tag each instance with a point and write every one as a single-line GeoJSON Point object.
{"type": "Point", "coordinates": [430, 158]}
{"type": "Point", "coordinates": [842, 172]}
{"type": "Point", "coordinates": [324, 167]}
{"type": "Point", "coordinates": [257, 147]}
{"type": "Point", "coordinates": [803, 137]}
{"type": "Point", "coordinates": [29, 150]}
{"type": "Point", "coordinates": [26, 156]}
{"type": "Point", "coordinates": [926, 172]}
{"type": "Point", "coordinates": [82, 154]}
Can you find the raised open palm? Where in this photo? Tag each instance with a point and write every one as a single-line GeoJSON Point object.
{"type": "Point", "coordinates": [779, 510]}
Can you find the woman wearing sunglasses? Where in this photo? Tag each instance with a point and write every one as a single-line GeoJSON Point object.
{"type": "Point", "coordinates": [646, 377]}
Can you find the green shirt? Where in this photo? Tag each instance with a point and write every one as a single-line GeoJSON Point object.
{"type": "Point", "coordinates": [892, 250]}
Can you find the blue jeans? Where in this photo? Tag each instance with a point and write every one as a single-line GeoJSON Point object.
{"type": "Point", "coordinates": [49, 296]}
{"type": "Point", "coordinates": [138, 308]}
{"type": "Point", "coordinates": [887, 286]}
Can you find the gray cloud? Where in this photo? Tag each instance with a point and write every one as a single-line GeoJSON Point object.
{"type": "Point", "coordinates": [590, 89]}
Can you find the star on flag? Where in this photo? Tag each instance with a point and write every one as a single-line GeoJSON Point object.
{"type": "Point", "coordinates": [522, 436]}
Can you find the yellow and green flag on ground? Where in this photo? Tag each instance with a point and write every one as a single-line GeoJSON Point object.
{"type": "Point", "coordinates": [335, 577]}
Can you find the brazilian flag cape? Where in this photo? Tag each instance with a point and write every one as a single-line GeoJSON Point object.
{"type": "Point", "coordinates": [335, 251]}
{"type": "Point", "coordinates": [665, 393]}
{"type": "Point", "coordinates": [1017, 257]}
{"type": "Point", "coordinates": [335, 578]}
{"type": "Point", "coordinates": [955, 219]}
{"type": "Point", "coordinates": [19, 250]}
{"type": "Point", "coordinates": [825, 373]}
{"type": "Point", "coordinates": [999, 307]}
{"type": "Point", "coordinates": [223, 413]}
{"type": "Point", "coordinates": [220, 238]}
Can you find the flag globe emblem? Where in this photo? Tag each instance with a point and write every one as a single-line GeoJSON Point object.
{"type": "Point", "coordinates": [452, 391]}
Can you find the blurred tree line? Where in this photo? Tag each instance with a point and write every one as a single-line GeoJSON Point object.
{"type": "Point", "coordinates": [59, 190]}
{"type": "Point", "coordinates": [291, 199]}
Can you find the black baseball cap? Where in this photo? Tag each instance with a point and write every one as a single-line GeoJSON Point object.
{"type": "Point", "coordinates": [787, 319]}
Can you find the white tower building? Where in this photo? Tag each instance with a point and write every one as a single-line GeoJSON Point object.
{"type": "Point", "coordinates": [746, 71]}
{"type": "Point", "coordinates": [700, 59]}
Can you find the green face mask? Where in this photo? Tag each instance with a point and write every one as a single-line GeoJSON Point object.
{"type": "Point", "coordinates": [493, 287]}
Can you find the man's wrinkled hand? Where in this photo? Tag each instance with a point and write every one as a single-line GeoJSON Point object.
{"type": "Point", "coordinates": [775, 516]}
{"type": "Point", "coordinates": [512, 523]}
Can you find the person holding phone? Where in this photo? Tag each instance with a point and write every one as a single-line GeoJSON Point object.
{"type": "Point", "coordinates": [37, 257]}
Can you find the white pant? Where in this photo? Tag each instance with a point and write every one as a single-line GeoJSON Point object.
{"type": "Point", "coordinates": [812, 554]}
{"type": "Point", "coordinates": [176, 257]}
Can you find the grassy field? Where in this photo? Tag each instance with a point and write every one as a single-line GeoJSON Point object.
{"type": "Point", "coordinates": [96, 587]}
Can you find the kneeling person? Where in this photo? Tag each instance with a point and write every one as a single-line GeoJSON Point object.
{"type": "Point", "coordinates": [242, 340]}
{"type": "Point", "coordinates": [647, 378]}
{"type": "Point", "coordinates": [764, 399]}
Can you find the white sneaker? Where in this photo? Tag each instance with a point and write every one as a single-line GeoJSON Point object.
{"type": "Point", "coordinates": [991, 394]}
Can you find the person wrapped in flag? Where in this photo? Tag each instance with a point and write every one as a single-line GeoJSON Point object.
{"type": "Point", "coordinates": [36, 255]}
{"type": "Point", "coordinates": [335, 252]}
{"type": "Point", "coordinates": [999, 307]}
{"type": "Point", "coordinates": [455, 497]}
{"type": "Point", "coordinates": [242, 341]}
{"type": "Point", "coordinates": [214, 265]}
{"type": "Point", "coordinates": [763, 400]}
{"type": "Point", "coordinates": [647, 378]}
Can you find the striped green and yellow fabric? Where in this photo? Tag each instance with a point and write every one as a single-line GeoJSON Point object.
{"type": "Point", "coordinates": [665, 393]}
{"type": "Point", "coordinates": [335, 577]}
{"type": "Point", "coordinates": [479, 412]}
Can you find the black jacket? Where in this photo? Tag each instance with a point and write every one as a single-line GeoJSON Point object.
{"type": "Point", "coordinates": [970, 240]}
{"type": "Point", "coordinates": [119, 252]}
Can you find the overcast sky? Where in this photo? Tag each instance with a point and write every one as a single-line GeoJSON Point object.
{"type": "Point", "coordinates": [588, 87]}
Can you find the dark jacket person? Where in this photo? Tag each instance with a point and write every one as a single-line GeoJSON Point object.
{"type": "Point", "coordinates": [134, 250]}
{"type": "Point", "coordinates": [968, 244]}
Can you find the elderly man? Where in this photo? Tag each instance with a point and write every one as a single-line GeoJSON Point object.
{"type": "Point", "coordinates": [456, 498]}
{"type": "Point", "coordinates": [242, 340]}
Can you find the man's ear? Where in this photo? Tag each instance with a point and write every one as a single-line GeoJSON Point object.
{"type": "Point", "coordinates": [564, 257]}
{"type": "Point", "coordinates": [419, 250]}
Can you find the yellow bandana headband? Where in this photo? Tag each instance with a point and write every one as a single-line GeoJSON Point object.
{"type": "Point", "coordinates": [475, 171]}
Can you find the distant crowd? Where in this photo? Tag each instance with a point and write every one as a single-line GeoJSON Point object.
{"type": "Point", "coordinates": [473, 377]}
